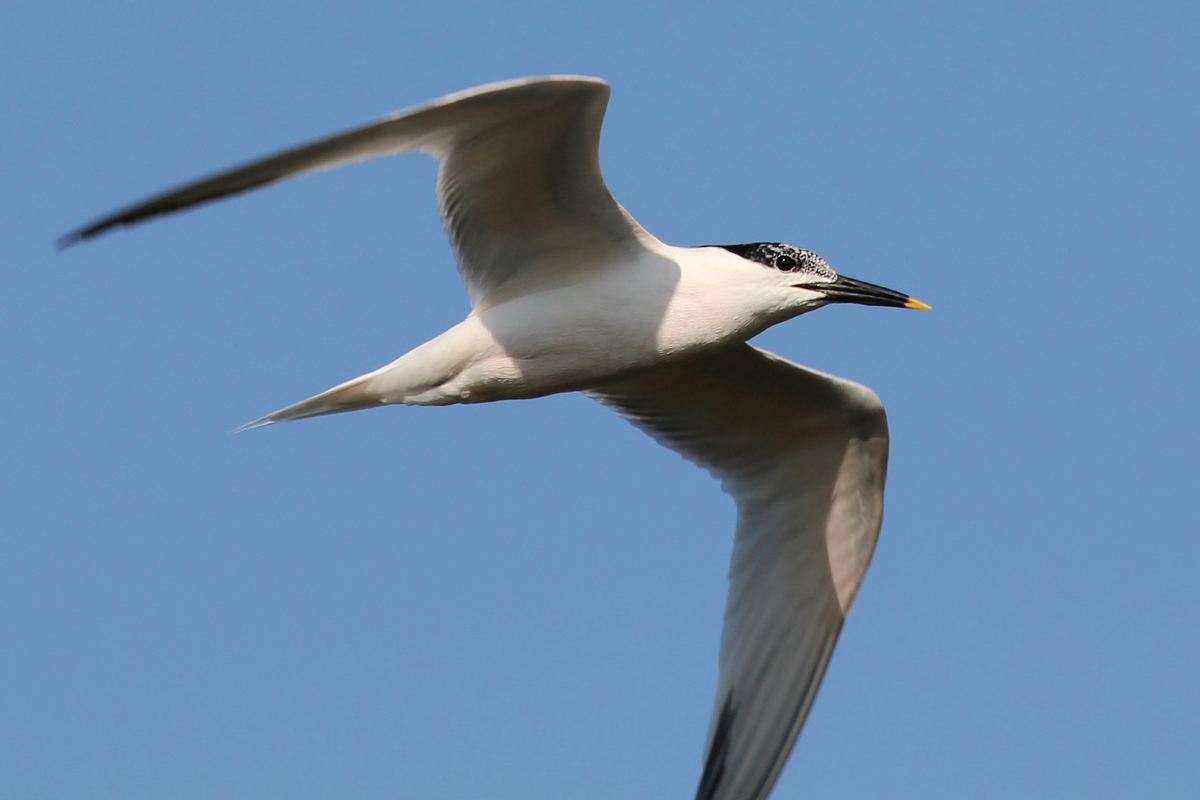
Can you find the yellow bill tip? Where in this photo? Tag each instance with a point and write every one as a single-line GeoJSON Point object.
{"type": "Point", "coordinates": [917, 304]}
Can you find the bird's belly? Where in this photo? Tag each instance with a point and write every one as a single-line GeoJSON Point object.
{"type": "Point", "coordinates": [545, 345]}
{"type": "Point", "coordinates": [568, 338]}
{"type": "Point", "coordinates": [579, 337]}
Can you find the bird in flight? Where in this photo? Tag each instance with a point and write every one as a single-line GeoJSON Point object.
{"type": "Point", "coordinates": [569, 293]}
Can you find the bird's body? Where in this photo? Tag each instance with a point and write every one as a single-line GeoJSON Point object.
{"type": "Point", "coordinates": [569, 293]}
{"type": "Point", "coordinates": [664, 304]}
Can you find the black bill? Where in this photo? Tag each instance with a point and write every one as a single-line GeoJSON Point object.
{"type": "Point", "coordinates": [848, 290]}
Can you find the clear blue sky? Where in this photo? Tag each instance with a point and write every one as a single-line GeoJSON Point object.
{"type": "Point", "coordinates": [524, 599]}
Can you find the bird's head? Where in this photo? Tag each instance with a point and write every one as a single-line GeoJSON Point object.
{"type": "Point", "coordinates": [813, 283]}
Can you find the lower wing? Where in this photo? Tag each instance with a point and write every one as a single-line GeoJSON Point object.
{"type": "Point", "coordinates": [804, 455]}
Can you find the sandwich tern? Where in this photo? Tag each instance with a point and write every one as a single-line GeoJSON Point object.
{"type": "Point", "coordinates": [569, 293]}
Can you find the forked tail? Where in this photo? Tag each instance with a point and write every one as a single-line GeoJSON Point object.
{"type": "Point", "coordinates": [349, 396]}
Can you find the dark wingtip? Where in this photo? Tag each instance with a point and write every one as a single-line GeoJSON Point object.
{"type": "Point", "coordinates": [80, 235]}
{"type": "Point", "coordinates": [63, 242]}
{"type": "Point", "coordinates": [718, 751]}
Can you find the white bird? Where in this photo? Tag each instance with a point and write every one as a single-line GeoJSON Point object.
{"type": "Point", "coordinates": [569, 293]}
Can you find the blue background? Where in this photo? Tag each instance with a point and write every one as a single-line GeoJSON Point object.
{"type": "Point", "coordinates": [524, 599]}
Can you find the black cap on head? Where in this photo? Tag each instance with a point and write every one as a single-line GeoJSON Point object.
{"type": "Point", "coordinates": [783, 257]}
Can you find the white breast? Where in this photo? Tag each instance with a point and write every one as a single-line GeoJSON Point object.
{"type": "Point", "coordinates": [669, 303]}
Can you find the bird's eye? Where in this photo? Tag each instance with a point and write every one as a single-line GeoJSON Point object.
{"type": "Point", "coordinates": [785, 263]}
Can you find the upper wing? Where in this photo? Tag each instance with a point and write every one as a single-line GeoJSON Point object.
{"type": "Point", "coordinates": [520, 189]}
{"type": "Point", "coordinates": [804, 455]}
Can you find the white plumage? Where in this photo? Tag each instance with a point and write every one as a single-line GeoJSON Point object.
{"type": "Point", "coordinates": [569, 293]}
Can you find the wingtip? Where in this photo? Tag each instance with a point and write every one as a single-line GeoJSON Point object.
{"type": "Point", "coordinates": [82, 234]}
{"type": "Point", "coordinates": [66, 240]}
